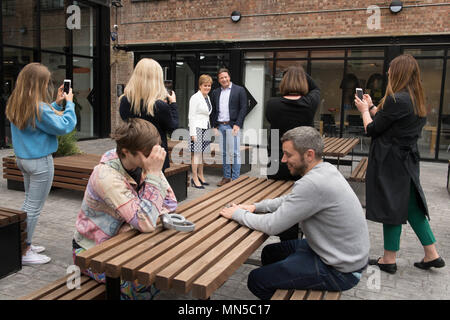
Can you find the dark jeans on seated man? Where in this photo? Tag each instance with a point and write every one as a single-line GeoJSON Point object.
{"type": "Point", "coordinates": [294, 265]}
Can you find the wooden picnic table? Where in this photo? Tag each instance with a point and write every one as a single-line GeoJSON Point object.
{"type": "Point", "coordinates": [198, 262]}
{"type": "Point", "coordinates": [339, 147]}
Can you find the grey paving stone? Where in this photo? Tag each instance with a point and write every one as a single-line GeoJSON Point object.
{"type": "Point", "coordinates": [57, 224]}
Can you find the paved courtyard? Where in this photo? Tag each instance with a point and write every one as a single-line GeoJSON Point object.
{"type": "Point", "coordinates": [57, 223]}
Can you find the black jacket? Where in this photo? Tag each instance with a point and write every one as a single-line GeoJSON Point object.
{"type": "Point", "coordinates": [393, 161]}
{"type": "Point", "coordinates": [237, 106]}
{"type": "Point", "coordinates": [285, 114]}
{"type": "Point", "coordinates": [165, 119]}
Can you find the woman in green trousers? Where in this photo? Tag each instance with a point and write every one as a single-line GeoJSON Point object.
{"type": "Point", "coordinates": [394, 195]}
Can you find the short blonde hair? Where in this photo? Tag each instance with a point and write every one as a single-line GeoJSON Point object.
{"type": "Point", "coordinates": [146, 84]}
{"type": "Point", "coordinates": [204, 78]}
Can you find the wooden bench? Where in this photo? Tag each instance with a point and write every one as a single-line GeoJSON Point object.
{"type": "Point", "coordinates": [58, 290]}
{"type": "Point", "coordinates": [209, 158]}
{"type": "Point", "coordinates": [199, 261]}
{"type": "Point", "coordinates": [359, 173]}
{"type": "Point", "coordinates": [305, 295]}
{"type": "Point", "coordinates": [13, 236]}
{"type": "Point", "coordinates": [73, 172]}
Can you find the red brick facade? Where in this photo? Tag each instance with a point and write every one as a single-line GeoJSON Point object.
{"type": "Point", "coordinates": [209, 20]}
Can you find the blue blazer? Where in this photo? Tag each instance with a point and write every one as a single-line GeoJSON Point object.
{"type": "Point", "coordinates": [237, 106]}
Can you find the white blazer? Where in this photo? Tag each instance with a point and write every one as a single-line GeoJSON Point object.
{"type": "Point", "coordinates": [198, 113]}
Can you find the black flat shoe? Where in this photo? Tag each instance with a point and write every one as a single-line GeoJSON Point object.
{"type": "Point", "coordinates": [436, 263]}
{"type": "Point", "coordinates": [195, 186]}
{"type": "Point", "coordinates": [203, 183]}
{"type": "Point", "coordinates": [386, 267]}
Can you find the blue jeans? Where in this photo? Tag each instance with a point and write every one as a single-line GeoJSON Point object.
{"type": "Point", "coordinates": [37, 180]}
{"type": "Point", "coordinates": [227, 143]}
{"type": "Point", "coordinates": [293, 264]}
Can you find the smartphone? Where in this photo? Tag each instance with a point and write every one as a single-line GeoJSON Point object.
{"type": "Point", "coordinates": [67, 84]}
{"type": "Point", "coordinates": [359, 93]}
{"type": "Point", "coordinates": [168, 84]}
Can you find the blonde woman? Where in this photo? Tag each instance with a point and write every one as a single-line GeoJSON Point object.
{"type": "Point", "coordinates": [199, 110]}
{"type": "Point", "coordinates": [35, 123]}
{"type": "Point", "coordinates": [146, 97]}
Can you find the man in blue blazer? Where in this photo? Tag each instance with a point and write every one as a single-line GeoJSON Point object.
{"type": "Point", "coordinates": [229, 108]}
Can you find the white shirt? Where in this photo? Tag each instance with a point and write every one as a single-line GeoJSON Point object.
{"type": "Point", "coordinates": [224, 99]}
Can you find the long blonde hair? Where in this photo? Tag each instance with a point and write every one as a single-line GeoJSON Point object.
{"type": "Point", "coordinates": [146, 84]}
{"type": "Point", "coordinates": [404, 73]}
{"type": "Point", "coordinates": [33, 86]}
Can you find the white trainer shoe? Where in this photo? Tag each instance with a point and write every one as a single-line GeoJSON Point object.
{"type": "Point", "coordinates": [37, 249]}
{"type": "Point", "coordinates": [31, 258]}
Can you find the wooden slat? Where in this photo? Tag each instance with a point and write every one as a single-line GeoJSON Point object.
{"type": "Point", "coordinates": [98, 293]}
{"type": "Point", "coordinates": [281, 294]}
{"type": "Point", "coordinates": [84, 289]}
{"type": "Point", "coordinates": [83, 260]}
{"type": "Point", "coordinates": [147, 274]}
{"type": "Point", "coordinates": [212, 279]}
{"type": "Point", "coordinates": [45, 290]}
{"type": "Point", "coordinates": [12, 217]}
{"type": "Point", "coordinates": [63, 290]}
{"type": "Point", "coordinates": [182, 283]}
{"type": "Point", "coordinates": [299, 295]}
{"type": "Point", "coordinates": [359, 173]}
{"type": "Point", "coordinates": [332, 295]}
{"type": "Point", "coordinates": [4, 220]}
{"type": "Point", "coordinates": [21, 214]}
{"type": "Point", "coordinates": [314, 295]}
{"type": "Point", "coordinates": [164, 278]}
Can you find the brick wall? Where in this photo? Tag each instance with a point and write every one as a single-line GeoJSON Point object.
{"type": "Point", "coordinates": [208, 20]}
{"type": "Point", "coordinates": [121, 69]}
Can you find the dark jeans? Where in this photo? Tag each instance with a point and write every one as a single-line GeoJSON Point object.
{"type": "Point", "coordinates": [294, 265]}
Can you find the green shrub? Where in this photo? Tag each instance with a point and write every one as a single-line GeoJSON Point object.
{"type": "Point", "coordinates": [67, 145]}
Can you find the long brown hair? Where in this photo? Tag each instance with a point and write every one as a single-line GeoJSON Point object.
{"type": "Point", "coordinates": [294, 82]}
{"type": "Point", "coordinates": [404, 73]}
{"type": "Point", "coordinates": [33, 86]}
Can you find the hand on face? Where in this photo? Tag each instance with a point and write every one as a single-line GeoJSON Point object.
{"type": "Point", "coordinates": [154, 162]}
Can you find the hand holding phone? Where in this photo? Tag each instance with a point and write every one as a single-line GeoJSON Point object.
{"type": "Point", "coordinates": [359, 93]}
{"type": "Point", "coordinates": [67, 85]}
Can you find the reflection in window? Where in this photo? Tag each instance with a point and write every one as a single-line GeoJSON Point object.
{"type": "Point", "coordinates": [328, 75]}
{"type": "Point", "coordinates": [431, 72]}
{"type": "Point", "coordinates": [19, 23]}
{"type": "Point", "coordinates": [444, 144]}
{"type": "Point", "coordinates": [53, 28]}
{"type": "Point", "coordinates": [424, 52]}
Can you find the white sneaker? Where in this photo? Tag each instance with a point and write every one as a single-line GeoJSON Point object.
{"type": "Point", "coordinates": [37, 249]}
{"type": "Point", "coordinates": [32, 257]}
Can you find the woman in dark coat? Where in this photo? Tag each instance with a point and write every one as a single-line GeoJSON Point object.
{"type": "Point", "coordinates": [393, 191]}
{"type": "Point", "coordinates": [146, 97]}
{"type": "Point", "coordinates": [296, 107]}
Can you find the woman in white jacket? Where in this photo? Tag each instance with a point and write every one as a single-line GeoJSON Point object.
{"type": "Point", "coordinates": [199, 110]}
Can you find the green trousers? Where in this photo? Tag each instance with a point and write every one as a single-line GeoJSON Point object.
{"type": "Point", "coordinates": [418, 222]}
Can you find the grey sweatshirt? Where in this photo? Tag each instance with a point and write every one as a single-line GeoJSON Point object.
{"type": "Point", "coordinates": [329, 213]}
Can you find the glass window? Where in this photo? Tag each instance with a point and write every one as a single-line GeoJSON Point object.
{"type": "Point", "coordinates": [258, 55]}
{"type": "Point", "coordinates": [83, 89]}
{"type": "Point", "coordinates": [281, 66]}
{"type": "Point", "coordinates": [431, 71]}
{"type": "Point", "coordinates": [210, 63]}
{"type": "Point", "coordinates": [327, 53]}
{"type": "Point", "coordinates": [13, 61]}
{"type": "Point", "coordinates": [328, 74]}
{"type": "Point", "coordinates": [19, 23]}
{"type": "Point", "coordinates": [84, 38]}
{"type": "Point", "coordinates": [355, 53]}
{"type": "Point", "coordinates": [258, 81]}
{"type": "Point", "coordinates": [444, 143]}
{"type": "Point", "coordinates": [367, 75]}
{"type": "Point", "coordinates": [424, 52]}
{"type": "Point", "coordinates": [54, 35]}
{"type": "Point", "coordinates": [292, 54]}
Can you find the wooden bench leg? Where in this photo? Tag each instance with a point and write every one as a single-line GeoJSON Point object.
{"type": "Point", "coordinates": [112, 288]}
